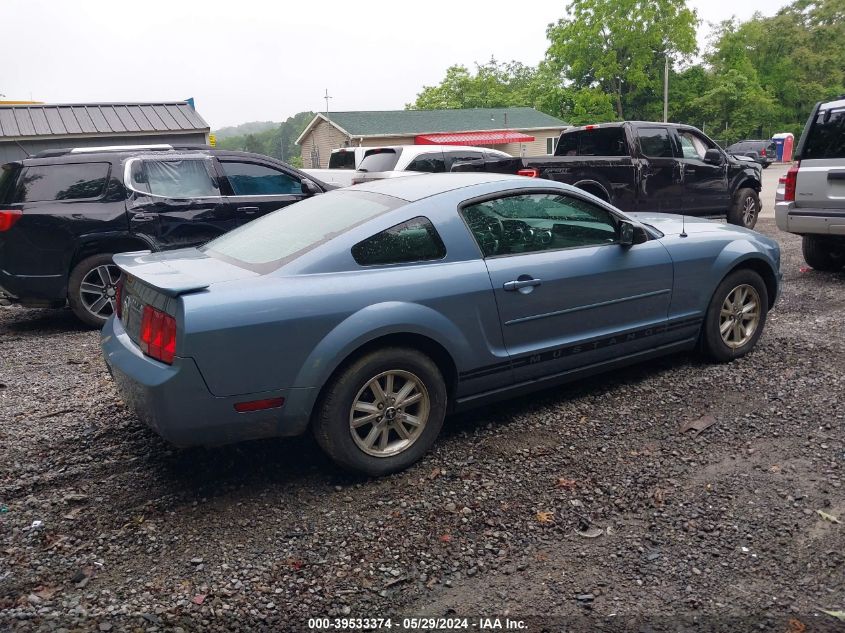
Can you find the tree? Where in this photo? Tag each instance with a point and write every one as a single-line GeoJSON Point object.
{"type": "Point", "coordinates": [618, 46]}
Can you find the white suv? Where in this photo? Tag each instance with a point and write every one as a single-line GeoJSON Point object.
{"type": "Point", "coordinates": [813, 204]}
{"type": "Point", "coordinates": [408, 160]}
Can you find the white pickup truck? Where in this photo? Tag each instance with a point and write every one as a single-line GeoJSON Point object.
{"type": "Point", "coordinates": [342, 165]}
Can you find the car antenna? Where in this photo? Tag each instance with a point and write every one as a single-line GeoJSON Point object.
{"type": "Point", "coordinates": [28, 155]}
{"type": "Point", "coordinates": [684, 226]}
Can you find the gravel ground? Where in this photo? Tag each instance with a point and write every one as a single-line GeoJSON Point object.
{"type": "Point", "coordinates": [103, 526]}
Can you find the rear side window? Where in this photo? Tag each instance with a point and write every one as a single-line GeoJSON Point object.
{"type": "Point", "coordinates": [8, 178]}
{"type": "Point", "coordinates": [826, 137]}
{"type": "Point", "coordinates": [184, 178]}
{"type": "Point", "coordinates": [609, 141]}
{"type": "Point", "coordinates": [82, 181]}
{"type": "Point", "coordinates": [342, 160]}
{"type": "Point", "coordinates": [379, 160]}
{"type": "Point", "coordinates": [413, 241]}
{"type": "Point", "coordinates": [428, 163]}
{"type": "Point", "coordinates": [251, 179]}
{"type": "Point", "coordinates": [654, 142]}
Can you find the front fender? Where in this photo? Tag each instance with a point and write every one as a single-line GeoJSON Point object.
{"type": "Point", "coordinates": [376, 321]}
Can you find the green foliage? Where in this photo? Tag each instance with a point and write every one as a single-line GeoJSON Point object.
{"type": "Point", "coordinates": [605, 61]}
{"type": "Point", "coordinates": [277, 141]}
{"type": "Point", "coordinates": [619, 46]}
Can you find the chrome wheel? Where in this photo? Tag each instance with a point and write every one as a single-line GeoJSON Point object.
{"type": "Point", "coordinates": [749, 211]}
{"type": "Point", "coordinates": [389, 413]}
{"type": "Point", "coordinates": [98, 290]}
{"type": "Point", "coordinates": [739, 317]}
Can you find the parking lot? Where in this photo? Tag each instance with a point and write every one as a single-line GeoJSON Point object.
{"type": "Point", "coordinates": [586, 499]}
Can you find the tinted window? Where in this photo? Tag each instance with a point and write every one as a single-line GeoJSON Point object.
{"type": "Point", "coordinates": [654, 142]}
{"type": "Point", "coordinates": [412, 241]}
{"type": "Point", "coordinates": [185, 178]}
{"type": "Point", "coordinates": [540, 222]}
{"type": "Point", "coordinates": [463, 156]}
{"type": "Point", "coordinates": [251, 179]}
{"type": "Point", "coordinates": [62, 182]}
{"type": "Point", "coordinates": [609, 141]}
{"type": "Point", "coordinates": [266, 243]}
{"type": "Point", "coordinates": [428, 163]}
{"type": "Point", "coordinates": [379, 160]}
{"type": "Point", "coordinates": [342, 160]}
{"type": "Point", "coordinates": [826, 138]}
{"type": "Point", "coordinates": [8, 178]}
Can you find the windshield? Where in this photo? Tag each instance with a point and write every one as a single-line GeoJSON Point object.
{"type": "Point", "coordinates": [269, 242]}
{"type": "Point", "coordinates": [379, 160]}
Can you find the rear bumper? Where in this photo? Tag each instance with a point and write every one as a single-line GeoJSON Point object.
{"type": "Point", "coordinates": [808, 220]}
{"type": "Point", "coordinates": [36, 289]}
{"type": "Point", "coordinates": [174, 401]}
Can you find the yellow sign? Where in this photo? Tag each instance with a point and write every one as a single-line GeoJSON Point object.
{"type": "Point", "coordinates": [212, 140]}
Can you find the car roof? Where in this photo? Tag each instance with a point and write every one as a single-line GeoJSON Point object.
{"type": "Point", "coordinates": [413, 188]}
{"type": "Point", "coordinates": [421, 149]}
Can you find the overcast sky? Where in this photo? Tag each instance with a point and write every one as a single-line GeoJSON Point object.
{"type": "Point", "coordinates": [250, 60]}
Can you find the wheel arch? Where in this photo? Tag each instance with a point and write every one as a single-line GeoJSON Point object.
{"type": "Point", "coordinates": [95, 244]}
{"type": "Point", "coordinates": [762, 268]}
{"type": "Point", "coordinates": [593, 187]}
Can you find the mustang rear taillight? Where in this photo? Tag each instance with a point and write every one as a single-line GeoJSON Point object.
{"type": "Point", "coordinates": [259, 405]}
{"type": "Point", "coordinates": [9, 218]}
{"type": "Point", "coordinates": [789, 183]}
{"type": "Point", "coordinates": [531, 172]}
{"type": "Point", "coordinates": [118, 297]}
{"type": "Point", "coordinates": [158, 335]}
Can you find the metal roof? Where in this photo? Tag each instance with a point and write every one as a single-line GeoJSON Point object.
{"type": "Point", "coordinates": [93, 119]}
{"type": "Point", "coordinates": [415, 122]}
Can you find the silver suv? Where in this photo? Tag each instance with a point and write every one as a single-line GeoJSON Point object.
{"type": "Point", "coordinates": [813, 204]}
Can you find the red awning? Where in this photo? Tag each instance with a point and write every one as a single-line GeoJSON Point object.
{"type": "Point", "coordinates": [494, 137]}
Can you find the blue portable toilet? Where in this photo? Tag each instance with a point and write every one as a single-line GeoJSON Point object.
{"type": "Point", "coordinates": [784, 142]}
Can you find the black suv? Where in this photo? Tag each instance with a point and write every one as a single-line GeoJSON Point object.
{"type": "Point", "coordinates": [64, 213]}
{"type": "Point", "coordinates": [763, 152]}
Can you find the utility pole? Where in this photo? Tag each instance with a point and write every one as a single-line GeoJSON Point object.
{"type": "Point", "coordinates": [666, 90]}
{"type": "Point", "coordinates": [327, 97]}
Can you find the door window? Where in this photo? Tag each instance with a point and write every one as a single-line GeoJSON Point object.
{"type": "Point", "coordinates": [456, 157]}
{"type": "Point", "coordinates": [381, 159]}
{"type": "Point", "coordinates": [428, 163]}
{"type": "Point", "coordinates": [184, 178]}
{"type": "Point", "coordinates": [252, 179]}
{"type": "Point", "coordinates": [692, 146]}
{"type": "Point", "coordinates": [82, 181]}
{"type": "Point", "coordinates": [539, 222]}
{"type": "Point", "coordinates": [413, 241]}
{"type": "Point", "coordinates": [654, 142]}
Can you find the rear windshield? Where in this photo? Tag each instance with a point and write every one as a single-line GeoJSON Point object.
{"type": "Point", "coordinates": [826, 136]}
{"type": "Point", "coordinates": [267, 243]}
{"type": "Point", "coordinates": [609, 141]}
{"type": "Point", "coordinates": [342, 160]}
{"type": "Point", "coordinates": [379, 160]}
{"type": "Point", "coordinates": [62, 182]}
{"type": "Point", "coordinates": [8, 176]}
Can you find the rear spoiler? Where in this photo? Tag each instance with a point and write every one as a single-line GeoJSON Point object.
{"type": "Point", "coordinates": [158, 273]}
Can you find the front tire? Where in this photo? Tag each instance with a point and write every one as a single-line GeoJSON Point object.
{"type": "Point", "coordinates": [736, 316]}
{"type": "Point", "coordinates": [823, 254]}
{"type": "Point", "coordinates": [382, 412]}
{"type": "Point", "coordinates": [92, 288]}
{"type": "Point", "coordinates": [745, 208]}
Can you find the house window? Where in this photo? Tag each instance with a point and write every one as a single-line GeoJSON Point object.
{"type": "Point", "coordinates": [551, 144]}
{"type": "Point", "coordinates": [315, 156]}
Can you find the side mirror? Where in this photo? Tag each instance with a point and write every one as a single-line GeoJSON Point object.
{"type": "Point", "coordinates": [713, 156]}
{"type": "Point", "coordinates": [310, 187]}
{"type": "Point", "coordinates": [626, 234]}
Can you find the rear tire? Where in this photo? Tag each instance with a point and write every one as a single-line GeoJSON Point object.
{"type": "Point", "coordinates": [823, 254]}
{"type": "Point", "coordinates": [745, 208]}
{"type": "Point", "coordinates": [91, 289]}
{"type": "Point", "coordinates": [736, 316]}
{"type": "Point", "coordinates": [382, 412]}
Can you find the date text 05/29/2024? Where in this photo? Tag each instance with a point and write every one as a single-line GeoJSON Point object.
{"type": "Point", "coordinates": [417, 624]}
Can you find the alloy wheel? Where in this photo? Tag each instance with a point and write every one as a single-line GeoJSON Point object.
{"type": "Point", "coordinates": [389, 413]}
{"type": "Point", "coordinates": [99, 289]}
{"type": "Point", "coordinates": [739, 317]}
{"type": "Point", "coordinates": [749, 211]}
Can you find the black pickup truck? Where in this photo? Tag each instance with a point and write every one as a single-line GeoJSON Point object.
{"type": "Point", "coordinates": [641, 166]}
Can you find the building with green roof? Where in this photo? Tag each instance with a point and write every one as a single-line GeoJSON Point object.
{"type": "Point", "coordinates": [517, 131]}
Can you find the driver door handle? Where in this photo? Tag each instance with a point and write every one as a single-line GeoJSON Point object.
{"type": "Point", "coordinates": [143, 217]}
{"type": "Point", "coordinates": [521, 283]}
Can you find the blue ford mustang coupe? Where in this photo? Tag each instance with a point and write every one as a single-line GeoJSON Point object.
{"type": "Point", "coordinates": [368, 313]}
